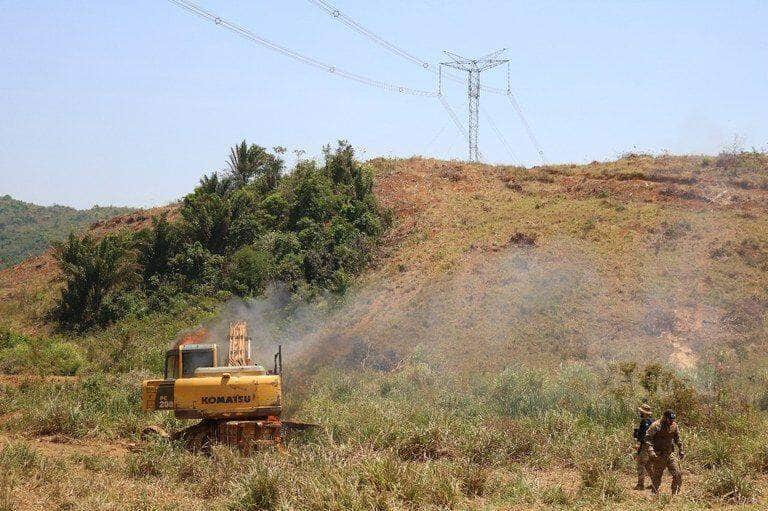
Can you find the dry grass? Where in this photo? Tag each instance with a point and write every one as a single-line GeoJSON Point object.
{"type": "Point", "coordinates": [490, 284]}
{"type": "Point", "coordinates": [413, 439]}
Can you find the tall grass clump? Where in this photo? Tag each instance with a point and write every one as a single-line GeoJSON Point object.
{"type": "Point", "coordinates": [733, 485]}
{"type": "Point", "coordinates": [21, 354]}
{"type": "Point", "coordinates": [520, 392]}
{"type": "Point", "coordinates": [97, 405]}
{"type": "Point", "coordinates": [18, 456]}
{"type": "Point", "coordinates": [414, 438]}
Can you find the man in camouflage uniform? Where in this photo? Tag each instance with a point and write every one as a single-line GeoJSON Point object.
{"type": "Point", "coordinates": [642, 459]}
{"type": "Point", "coordinates": [661, 439]}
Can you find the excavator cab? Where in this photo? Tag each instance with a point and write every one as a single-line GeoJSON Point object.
{"type": "Point", "coordinates": [181, 362]}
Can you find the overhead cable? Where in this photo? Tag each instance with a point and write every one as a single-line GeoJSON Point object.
{"type": "Point", "coordinates": [500, 135]}
{"type": "Point", "coordinates": [304, 59]}
{"type": "Point", "coordinates": [437, 136]}
{"type": "Point", "coordinates": [343, 18]}
{"type": "Point", "coordinates": [454, 117]}
{"type": "Point", "coordinates": [528, 130]}
{"type": "Point", "coordinates": [338, 15]}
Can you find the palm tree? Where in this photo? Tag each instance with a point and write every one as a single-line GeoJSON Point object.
{"type": "Point", "coordinates": [92, 271]}
{"type": "Point", "coordinates": [254, 162]}
{"type": "Point", "coordinates": [214, 183]}
{"type": "Point", "coordinates": [241, 163]}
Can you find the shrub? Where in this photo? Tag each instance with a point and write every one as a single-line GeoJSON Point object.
{"type": "Point", "coordinates": [96, 405]}
{"type": "Point", "coordinates": [63, 358]}
{"type": "Point", "coordinates": [683, 399]}
{"type": "Point", "coordinates": [599, 458]}
{"type": "Point", "coordinates": [651, 378]}
{"type": "Point", "coordinates": [603, 485]}
{"type": "Point", "coordinates": [757, 455]}
{"type": "Point", "coordinates": [423, 444]}
{"type": "Point", "coordinates": [715, 450]}
{"type": "Point", "coordinates": [730, 484]}
{"type": "Point", "coordinates": [16, 359]}
{"type": "Point", "coordinates": [53, 416]}
{"type": "Point", "coordinates": [153, 458]}
{"type": "Point", "coordinates": [22, 354]}
{"type": "Point", "coordinates": [556, 496]}
{"type": "Point", "coordinates": [518, 393]}
{"type": "Point", "coordinates": [249, 271]}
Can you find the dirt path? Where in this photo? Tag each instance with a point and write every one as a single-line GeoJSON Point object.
{"type": "Point", "coordinates": [60, 445]}
{"type": "Point", "coordinates": [17, 380]}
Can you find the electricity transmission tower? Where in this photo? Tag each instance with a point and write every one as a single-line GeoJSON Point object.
{"type": "Point", "coordinates": [473, 67]}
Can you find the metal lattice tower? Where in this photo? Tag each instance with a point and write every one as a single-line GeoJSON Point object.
{"type": "Point", "coordinates": [473, 67]}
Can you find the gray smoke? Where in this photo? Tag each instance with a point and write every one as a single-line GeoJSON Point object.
{"type": "Point", "coordinates": [560, 300]}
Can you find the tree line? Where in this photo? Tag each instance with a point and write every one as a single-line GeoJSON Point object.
{"type": "Point", "coordinates": [311, 229]}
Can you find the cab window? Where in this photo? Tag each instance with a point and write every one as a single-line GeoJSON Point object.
{"type": "Point", "coordinates": [192, 359]}
{"type": "Point", "coordinates": [171, 365]}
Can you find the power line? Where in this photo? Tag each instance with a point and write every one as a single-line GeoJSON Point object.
{"type": "Point", "coordinates": [243, 32]}
{"type": "Point", "coordinates": [397, 50]}
{"type": "Point", "coordinates": [437, 135]}
{"type": "Point", "coordinates": [343, 18]}
{"type": "Point", "coordinates": [500, 136]}
{"type": "Point", "coordinates": [528, 130]}
{"type": "Point", "coordinates": [304, 59]}
{"type": "Point", "coordinates": [391, 47]}
{"type": "Point", "coordinates": [454, 117]}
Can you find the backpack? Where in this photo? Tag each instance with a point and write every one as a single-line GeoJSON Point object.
{"type": "Point", "coordinates": [640, 430]}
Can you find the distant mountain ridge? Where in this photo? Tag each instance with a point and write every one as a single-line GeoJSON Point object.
{"type": "Point", "coordinates": [27, 229]}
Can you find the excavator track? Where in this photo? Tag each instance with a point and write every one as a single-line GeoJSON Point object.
{"type": "Point", "coordinates": [245, 435]}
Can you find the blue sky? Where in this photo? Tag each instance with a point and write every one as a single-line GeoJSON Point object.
{"type": "Point", "coordinates": [131, 102]}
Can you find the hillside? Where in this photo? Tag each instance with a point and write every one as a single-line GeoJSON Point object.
{"type": "Point", "coordinates": [28, 229]}
{"type": "Point", "coordinates": [490, 357]}
{"type": "Point", "coordinates": [661, 256]}
{"type": "Point", "coordinates": [646, 257]}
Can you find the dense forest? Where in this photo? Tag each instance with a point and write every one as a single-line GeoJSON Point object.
{"type": "Point", "coordinates": [28, 229]}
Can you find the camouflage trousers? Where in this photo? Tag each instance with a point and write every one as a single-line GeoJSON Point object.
{"type": "Point", "coordinates": [669, 461]}
{"type": "Point", "coordinates": [643, 466]}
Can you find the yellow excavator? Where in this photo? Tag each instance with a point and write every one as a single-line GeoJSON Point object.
{"type": "Point", "coordinates": [239, 404]}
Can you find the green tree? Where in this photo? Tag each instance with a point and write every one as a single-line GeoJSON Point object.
{"type": "Point", "coordinates": [93, 272]}
{"type": "Point", "coordinates": [215, 184]}
{"type": "Point", "coordinates": [250, 269]}
{"type": "Point", "coordinates": [248, 219]}
{"type": "Point", "coordinates": [156, 247]}
{"type": "Point", "coordinates": [206, 219]}
{"type": "Point", "coordinates": [312, 194]}
{"type": "Point", "coordinates": [312, 229]}
{"type": "Point", "coordinates": [197, 268]}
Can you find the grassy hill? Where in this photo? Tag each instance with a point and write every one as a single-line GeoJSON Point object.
{"type": "Point", "coordinates": [28, 229]}
{"type": "Point", "coordinates": [491, 357]}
